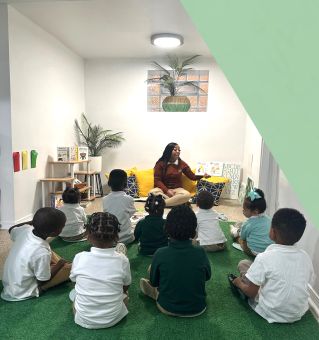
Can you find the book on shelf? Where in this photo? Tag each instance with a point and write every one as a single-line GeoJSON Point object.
{"type": "Point", "coordinates": [83, 153]}
{"type": "Point", "coordinates": [56, 200]}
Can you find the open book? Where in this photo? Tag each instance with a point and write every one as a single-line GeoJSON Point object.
{"type": "Point", "coordinates": [210, 168]}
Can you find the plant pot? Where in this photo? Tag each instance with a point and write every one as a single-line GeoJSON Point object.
{"type": "Point", "coordinates": [176, 104]}
{"type": "Point", "coordinates": [95, 163]}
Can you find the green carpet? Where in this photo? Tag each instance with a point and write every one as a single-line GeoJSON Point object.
{"type": "Point", "coordinates": [51, 317]}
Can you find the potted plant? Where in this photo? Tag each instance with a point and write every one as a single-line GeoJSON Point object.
{"type": "Point", "coordinates": [172, 81]}
{"type": "Point", "coordinates": [96, 139]}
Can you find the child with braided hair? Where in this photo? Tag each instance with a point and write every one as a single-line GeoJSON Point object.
{"type": "Point", "coordinates": [102, 276]}
{"type": "Point", "coordinates": [150, 230]}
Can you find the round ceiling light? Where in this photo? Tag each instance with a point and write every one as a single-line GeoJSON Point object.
{"type": "Point", "coordinates": [167, 40]}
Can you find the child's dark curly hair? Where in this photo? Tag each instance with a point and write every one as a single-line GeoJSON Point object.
{"type": "Point", "coordinates": [255, 200]}
{"type": "Point", "coordinates": [117, 180]}
{"type": "Point", "coordinates": [155, 205]}
{"type": "Point", "coordinates": [181, 223]}
{"type": "Point", "coordinates": [290, 225]}
{"type": "Point", "coordinates": [48, 220]}
{"type": "Point", "coordinates": [205, 200]}
{"type": "Point", "coordinates": [104, 226]}
{"type": "Point", "coordinates": [71, 195]}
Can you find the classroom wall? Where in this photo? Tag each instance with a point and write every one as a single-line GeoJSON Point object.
{"type": "Point", "coordinates": [47, 94]}
{"type": "Point", "coordinates": [116, 98]}
{"type": "Point", "coordinates": [252, 152]}
{"type": "Point", "coordinates": [6, 173]}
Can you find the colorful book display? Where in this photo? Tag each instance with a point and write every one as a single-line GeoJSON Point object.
{"type": "Point", "coordinates": [72, 153]}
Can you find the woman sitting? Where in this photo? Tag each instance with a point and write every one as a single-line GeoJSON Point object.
{"type": "Point", "coordinates": [168, 172]}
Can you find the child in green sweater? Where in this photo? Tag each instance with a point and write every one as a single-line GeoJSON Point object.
{"type": "Point", "coordinates": [179, 271]}
{"type": "Point", "coordinates": [150, 230]}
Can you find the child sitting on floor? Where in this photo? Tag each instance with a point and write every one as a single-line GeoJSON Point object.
{"type": "Point", "coordinates": [74, 229]}
{"type": "Point", "coordinates": [120, 204]}
{"type": "Point", "coordinates": [209, 234]}
{"type": "Point", "coordinates": [31, 267]}
{"type": "Point", "coordinates": [253, 235]}
{"type": "Point", "coordinates": [179, 271]}
{"type": "Point", "coordinates": [102, 276]}
{"type": "Point", "coordinates": [277, 281]}
{"type": "Point", "coordinates": [150, 230]}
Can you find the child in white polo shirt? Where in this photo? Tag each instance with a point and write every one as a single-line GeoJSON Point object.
{"type": "Point", "coordinates": [102, 276]}
{"type": "Point", "coordinates": [209, 234]}
{"type": "Point", "coordinates": [276, 282]}
{"type": "Point", "coordinates": [118, 203]}
{"type": "Point", "coordinates": [31, 267]}
{"type": "Point", "coordinates": [74, 229]}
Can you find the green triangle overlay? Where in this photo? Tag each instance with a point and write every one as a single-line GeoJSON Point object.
{"type": "Point", "coordinates": [269, 52]}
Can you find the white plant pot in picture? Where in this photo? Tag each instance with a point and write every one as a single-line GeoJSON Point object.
{"type": "Point", "coordinates": [95, 163]}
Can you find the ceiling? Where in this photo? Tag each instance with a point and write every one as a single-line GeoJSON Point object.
{"type": "Point", "coordinates": [114, 28]}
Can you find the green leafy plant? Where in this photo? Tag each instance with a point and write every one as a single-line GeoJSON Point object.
{"type": "Point", "coordinates": [95, 137]}
{"type": "Point", "coordinates": [171, 80]}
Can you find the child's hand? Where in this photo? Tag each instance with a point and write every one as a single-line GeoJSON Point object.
{"type": "Point", "coordinates": [62, 262]}
{"type": "Point", "coordinates": [236, 281]}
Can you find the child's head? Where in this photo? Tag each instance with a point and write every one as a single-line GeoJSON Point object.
{"type": "Point", "coordinates": [117, 180]}
{"type": "Point", "coordinates": [287, 226]}
{"type": "Point", "coordinates": [155, 205]}
{"type": "Point", "coordinates": [181, 223]}
{"type": "Point", "coordinates": [103, 229]}
{"type": "Point", "coordinates": [205, 200]}
{"type": "Point", "coordinates": [71, 195]}
{"type": "Point", "coordinates": [48, 222]}
{"type": "Point", "coordinates": [254, 203]}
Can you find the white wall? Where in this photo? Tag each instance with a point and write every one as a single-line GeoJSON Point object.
{"type": "Point", "coordinates": [6, 168]}
{"type": "Point", "coordinates": [116, 98]}
{"type": "Point", "coordinates": [252, 153]}
{"type": "Point", "coordinates": [47, 94]}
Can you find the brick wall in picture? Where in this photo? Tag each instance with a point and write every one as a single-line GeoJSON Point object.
{"type": "Point", "coordinates": [198, 99]}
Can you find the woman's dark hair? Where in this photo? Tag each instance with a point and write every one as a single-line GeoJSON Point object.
{"type": "Point", "coordinates": [167, 152]}
{"type": "Point", "coordinates": [71, 195]}
{"type": "Point", "coordinates": [48, 220]}
{"type": "Point", "coordinates": [181, 223]}
{"type": "Point", "coordinates": [167, 155]}
{"type": "Point", "coordinates": [104, 226]}
{"type": "Point", "coordinates": [290, 225]}
{"type": "Point", "coordinates": [117, 180]}
{"type": "Point", "coordinates": [205, 200]}
{"type": "Point", "coordinates": [155, 205]}
{"type": "Point", "coordinates": [255, 200]}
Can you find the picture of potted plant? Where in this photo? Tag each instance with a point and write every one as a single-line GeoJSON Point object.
{"type": "Point", "coordinates": [172, 80]}
{"type": "Point", "coordinates": [96, 139]}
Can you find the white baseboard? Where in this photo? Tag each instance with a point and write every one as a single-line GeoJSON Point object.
{"type": "Point", "coordinates": [9, 224]}
{"type": "Point", "coordinates": [314, 302]}
{"type": "Point", "coordinates": [6, 224]}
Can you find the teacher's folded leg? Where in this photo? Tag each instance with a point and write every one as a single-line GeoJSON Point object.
{"type": "Point", "coordinates": [182, 196]}
{"type": "Point", "coordinates": [158, 191]}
